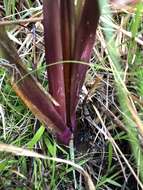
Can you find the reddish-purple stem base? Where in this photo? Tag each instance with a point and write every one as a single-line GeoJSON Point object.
{"type": "Point", "coordinates": [64, 138]}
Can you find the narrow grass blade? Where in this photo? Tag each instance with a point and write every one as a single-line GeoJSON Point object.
{"type": "Point", "coordinates": [36, 137]}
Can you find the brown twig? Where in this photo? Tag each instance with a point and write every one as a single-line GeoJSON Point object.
{"type": "Point", "coordinates": [20, 21]}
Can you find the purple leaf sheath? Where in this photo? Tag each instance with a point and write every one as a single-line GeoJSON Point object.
{"type": "Point", "coordinates": [85, 39]}
{"type": "Point", "coordinates": [69, 35]}
{"type": "Point", "coordinates": [53, 51]}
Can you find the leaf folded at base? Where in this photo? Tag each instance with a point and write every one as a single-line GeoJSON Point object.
{"type": "Point", "coordinates": [30, 91]}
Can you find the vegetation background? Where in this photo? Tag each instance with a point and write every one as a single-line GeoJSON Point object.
{"type": "Point", "coordinates": [108, 142]}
